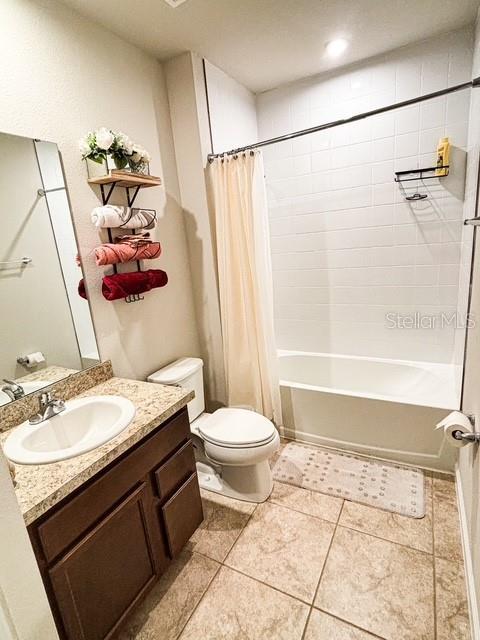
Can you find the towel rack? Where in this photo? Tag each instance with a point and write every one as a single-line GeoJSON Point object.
{"type": "Point", "coordinates": [24, 260]}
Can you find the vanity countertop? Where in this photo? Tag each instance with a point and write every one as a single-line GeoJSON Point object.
{"type": "Point", "coordinates": [39, 487]}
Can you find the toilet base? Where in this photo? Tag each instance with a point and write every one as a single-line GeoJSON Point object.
{"type": "Point", "coordinates": [251, 484]}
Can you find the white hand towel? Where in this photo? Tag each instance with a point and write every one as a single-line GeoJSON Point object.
{"type": "Point", "coordinates": [108, 216]}
{"type": "Point", "coordinates": [115, 217]}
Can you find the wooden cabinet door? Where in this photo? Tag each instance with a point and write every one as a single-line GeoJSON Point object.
{"type": "Point", "coordinates": [182, 514]}
{"type": "Point", "coordinates": [103, 576]}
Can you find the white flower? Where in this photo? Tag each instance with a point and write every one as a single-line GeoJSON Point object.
{"type": "Point", "coordinates": [104, 138]}
{"type": "Point", "coordinates": [84, 145]}
{"type": "Point", "coordinates": [124, 142]}
{"type": "Point", "coordinates": [140, 154]}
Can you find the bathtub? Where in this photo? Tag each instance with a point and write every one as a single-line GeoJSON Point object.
{"type": "Point", "coordinates": [373, 406]}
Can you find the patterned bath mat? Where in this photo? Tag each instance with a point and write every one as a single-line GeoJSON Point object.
{"type": "Point", "coordinates": [379, 484]}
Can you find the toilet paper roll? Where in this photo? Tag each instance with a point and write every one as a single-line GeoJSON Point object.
{"type": "Point", "coordinates": [34, 358]}
{"type": "Point", "coordinates": [455, 421]}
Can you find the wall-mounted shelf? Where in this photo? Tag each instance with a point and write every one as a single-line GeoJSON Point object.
{"type": "Point", "coordinates": [125, 180]}
{"type": "Point", "coordinates": [419, 174]}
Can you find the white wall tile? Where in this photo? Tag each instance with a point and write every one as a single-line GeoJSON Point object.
{"type": "Point", "coordinates": [346, 246]}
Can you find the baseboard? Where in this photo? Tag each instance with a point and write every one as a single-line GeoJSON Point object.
{"type": "Point", "coordinates": [467, 558]}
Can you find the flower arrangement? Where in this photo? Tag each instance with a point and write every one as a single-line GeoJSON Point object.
{"type": "Point", "coordinates": [98, 145]}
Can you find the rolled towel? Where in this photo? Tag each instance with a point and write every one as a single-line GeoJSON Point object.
{"type": "Point", "coordinates": [121, 285]}
{"type": "Point", "coordinates": [124, 217]}
{"type": "Point", "coordinates": [126, 252]}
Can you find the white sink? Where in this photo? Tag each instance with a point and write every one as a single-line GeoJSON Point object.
{"type": "Point", "coordinates": [85, 424]}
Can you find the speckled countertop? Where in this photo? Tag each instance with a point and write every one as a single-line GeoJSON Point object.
{"type": "Point", "coordinates": [39, 487]}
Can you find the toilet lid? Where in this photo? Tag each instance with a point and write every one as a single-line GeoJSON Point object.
{"type": "Point", "coordinates": [237, 427]}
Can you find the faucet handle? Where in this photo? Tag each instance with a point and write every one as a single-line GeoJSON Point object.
{"type": "Point", "coordinates": [45, 398]}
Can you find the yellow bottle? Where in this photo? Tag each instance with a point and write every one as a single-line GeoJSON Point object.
{"type": "Point", "coordinates": [443, 156]}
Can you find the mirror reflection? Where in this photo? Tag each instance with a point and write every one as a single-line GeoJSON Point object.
{"type": "Point", "coordinates": [45, 326]}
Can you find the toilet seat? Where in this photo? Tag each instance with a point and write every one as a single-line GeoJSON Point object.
{"type": "Point", "coordinates": [237, 428]}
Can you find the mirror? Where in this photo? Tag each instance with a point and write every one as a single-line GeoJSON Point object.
{"type": "Point", "coordinates": [46, 328]}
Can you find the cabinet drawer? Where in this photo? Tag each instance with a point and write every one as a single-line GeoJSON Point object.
{"type": "Point", "coordinates": [103, 576]}
{"type": "Point", "coordinates": [81, 512]}
{"type": "Point", "coordinates": [182, 514]}
{"type": "Point", "coordinates": [175, 471]}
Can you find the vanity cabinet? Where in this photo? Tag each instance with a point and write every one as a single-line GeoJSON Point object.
{"type": "Point", "coordinates": [105, 545]}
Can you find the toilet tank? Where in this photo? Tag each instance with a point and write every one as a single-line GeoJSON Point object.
{"type": "Point", "coordinates": [188, 374]}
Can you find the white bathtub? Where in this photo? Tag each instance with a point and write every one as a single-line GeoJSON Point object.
{"type": "Point", "coordinates": [386, 408]}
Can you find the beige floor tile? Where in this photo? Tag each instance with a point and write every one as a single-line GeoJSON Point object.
{"type": "Point", "coordinates": [224, 519]}
{"type": "Point", "coordinates": [284, 548]}
{"type": "Point", "coordinates": [236, 607]}
{"type": "Point", "coordinates": [321, 626]}
{"type": "Point", "coordinates": [167, 607]}
{"type": "Point", "coordinates": [413, 532]}
{"type": "Point", "coordinates": [452, 605]}
{"type": "Point", "coordinates": [277, 454]}
{"type": "Point", "coordinates": [379, 586]}
{"type": "Point", "coordinates": [310, 502]}
{"type": "Point", "coordinates": [446, 523]}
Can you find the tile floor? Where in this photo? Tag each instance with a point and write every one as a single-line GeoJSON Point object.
{"type": "Point", "coordinates": [306, 566]}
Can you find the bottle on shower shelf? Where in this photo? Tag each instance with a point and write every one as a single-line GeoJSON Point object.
{"type": "Point", "coordinates": [443, 156]}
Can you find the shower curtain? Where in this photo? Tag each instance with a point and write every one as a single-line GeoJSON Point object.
{"type": "Point", "coordinates": [245, 283]}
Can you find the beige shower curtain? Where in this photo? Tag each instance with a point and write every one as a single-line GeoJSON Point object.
{"type": "Point", "coordinates": [245, 283]}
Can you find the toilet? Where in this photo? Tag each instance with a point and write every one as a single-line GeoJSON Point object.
{"type": "Point", "coordinates": [232, 445]}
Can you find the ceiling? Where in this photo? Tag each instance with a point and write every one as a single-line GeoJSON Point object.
{"type": "Point", "coordinates": [266, 43]}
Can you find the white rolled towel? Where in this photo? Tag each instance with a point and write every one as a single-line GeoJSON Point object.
{"type": "Point", "coordinates": [115, 217]}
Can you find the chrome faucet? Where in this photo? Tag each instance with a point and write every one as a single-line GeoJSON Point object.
{"type": "Point", "coordinates": [49, 407]}
{"type": "Point", "coordinates": [13, 390]}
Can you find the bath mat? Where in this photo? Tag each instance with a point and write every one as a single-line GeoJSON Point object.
{"type": "Point", "coordinates": [378, 484]}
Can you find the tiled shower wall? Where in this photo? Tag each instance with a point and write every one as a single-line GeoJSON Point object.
{"type": "Point", "coordinates": [347, 248]}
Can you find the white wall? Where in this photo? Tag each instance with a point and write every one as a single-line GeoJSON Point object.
{"type": "Point", "coordinates": [469, 457]}
{"type": "Point", "coordinates": [347, 248]}
{"type": "Point", "coordinates": [24, 610]}
{"type": "Point", "coordinates": [224, 119]}
{"type": "Point", "coordinates": [62, 76]}
{"type": "Point", "coordinates": [188, 105]}
{"type": "Point", "coordinates": [233, 114]}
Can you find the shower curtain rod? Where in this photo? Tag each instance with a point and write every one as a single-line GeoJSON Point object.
{"type": "Point", "coordinates": [359, 116]}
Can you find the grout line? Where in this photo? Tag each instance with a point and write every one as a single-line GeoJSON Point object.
{"type": "Point", "coordinates": [397, 544]}
{"type": "Point", "coordinates": [378, 537]}
{"type": "Point", "coordinates": [239, 535]}
{"type": "Point", "coordinates": [220, 565]}
{"type": "Point", "coordinates": [199, 600]}
{"type": "Point", "coordinates": [266, 584]}
{"type": "Point", "coordinates": [328, 613]}
{"type": "Point", "coordinates": [306, 623]}
{"type": "Point", "coordinates": [310, 515]}
{"type": "Point", "coordinates": [327, 555]}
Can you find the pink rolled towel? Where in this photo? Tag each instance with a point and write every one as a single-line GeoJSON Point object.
{"type": "Point", "coordinates": [125, 252]}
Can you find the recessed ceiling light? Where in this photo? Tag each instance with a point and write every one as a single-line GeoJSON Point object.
{"type": "Point", "coordinates": [336, 47]}
{"type": "Point", "coordinates": [175, 3]}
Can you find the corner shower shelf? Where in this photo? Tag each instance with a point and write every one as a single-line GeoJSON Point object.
{"type": "Point", "coordinates": [132, 181]}
{"type": "Point", "coordinates": [418, 174]}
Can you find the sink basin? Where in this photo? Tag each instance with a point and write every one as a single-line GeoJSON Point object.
{"type": "Point", "coordinates": [85, 424]}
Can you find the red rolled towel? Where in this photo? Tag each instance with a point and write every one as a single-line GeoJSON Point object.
{"type": "Point", "coordinates": [121, 285]}
{"type": "Point", "coordinates": [82, 292]}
